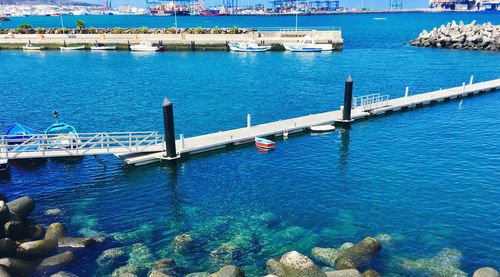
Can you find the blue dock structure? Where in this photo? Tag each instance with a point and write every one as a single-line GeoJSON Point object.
{"type": "Point", "coordinates": [139, 148]}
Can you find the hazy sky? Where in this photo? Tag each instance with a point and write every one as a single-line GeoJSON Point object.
{"type": "Point", "coordinates": [376, 4]}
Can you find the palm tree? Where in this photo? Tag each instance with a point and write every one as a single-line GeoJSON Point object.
{"type": "Point", "coordinates": [80, 24]}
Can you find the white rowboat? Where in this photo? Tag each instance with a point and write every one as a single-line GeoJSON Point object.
{"type": "Point", "coordinates": [103, 47]}
{"type": "Point", "coordinates": [322, 128]}
{"type": "Point", "coordinates": [73, 48]}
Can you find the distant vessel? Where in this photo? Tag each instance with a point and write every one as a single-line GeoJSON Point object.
{"type": "Point", "coordinates": [213, 13]}
{"type": "Point", "coordinates": [307, 44]}
{"type": "Point", "coordinates": [73, 48]}
{"type": "Point", "coordinates": [102, 47]}
{"type": "Point", "coordinates": [31, 47]}
{"type": "Point", "coordinates": [265, 144]}
{"type": "Point", "coordinates": [250, 46]}
{"type": "Point", "coordinates": [146, 46]}
{"type": "Point", "coordinates": [4, 19]}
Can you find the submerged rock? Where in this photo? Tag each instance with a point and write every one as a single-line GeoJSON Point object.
{"type": "Point", "coordinates": [226, 253]}
{"type": "Point", "coordinates": [63, 274]}
{"type": "Point", "coordinates": [182, 242]}
{"type": "Point", "coordinates": [142, 234]}
{"type": "Point", "coordinates": [53, 212]}
{"type": "Point", "coordinates": [445, 263]}
{"type": "Point", "coordinates": [125, 271]}
{"type": "Point", "coordinates": [358, 254]}
{"type": "Point", "coordinates": [486, 272]}
{"type": "Point", "coordinates": [164, 267]}
{"type": "Point", "coordinates": [274, 267]}
{"type": "Point", "coordinates": [344, 273]}
{"type": "Point", "coordinates": [198, 274]}
{"type": "Point", "coordinates": [328, 256]}
{"type": "Point", "coordinates": [109, 256]}
{"type": "Point", "coordinates": [298, 265]}
{"type": "Point", "coordinates": [371, 273]}
{"type": "Point", "coordinates": [140, 257]}
{"type": "Point", "coordinates": [229, 271]}
{"type": "Point", "coordinates": [75, 242]}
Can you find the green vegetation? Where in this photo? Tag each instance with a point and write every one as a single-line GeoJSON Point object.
{"type": "Point", "coordinates": [234, 30]}
{"type": "Point", "coordinates": [24, 29]}
{"type": "Point", "coordinates": [216, 30]}
{"type": "Point", "coordinates": [143, 30]}
{"type": "Point", "coordinates": [80, 24]}
{"type": "Point", "coordinates": [198, 30]}
{"type": "Point", "coordinates": [171, 30]}
{"type": "Point", "coordinates": [116, 30]}
{"type": "Point", "coordinates": [39, 30]}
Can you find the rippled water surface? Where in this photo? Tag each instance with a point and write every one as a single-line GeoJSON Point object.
{"type": "Point", "coordinates": [428, 178]}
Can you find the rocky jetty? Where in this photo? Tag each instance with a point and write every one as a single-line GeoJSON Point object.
{"type": "Point", "coordinates": [471, 36]}
{"type": "Point", "coordinates": [26, 248]}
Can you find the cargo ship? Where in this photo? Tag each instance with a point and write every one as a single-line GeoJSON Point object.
{"type": "Point", "coordinates": [169, 10]}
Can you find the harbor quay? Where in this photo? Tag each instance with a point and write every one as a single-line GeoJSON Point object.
{"type": "Point", "coordinates": [176, 41]}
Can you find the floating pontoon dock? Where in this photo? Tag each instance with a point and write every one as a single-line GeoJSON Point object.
{"type": "Point", "coordinates": [147, 147]}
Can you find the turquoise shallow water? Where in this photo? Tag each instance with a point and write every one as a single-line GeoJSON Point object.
{"type": "Point", "coordinates": [428, 177]}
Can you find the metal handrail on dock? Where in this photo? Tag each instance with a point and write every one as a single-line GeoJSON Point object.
{"type": "Point", "coordinates": [48, 145]}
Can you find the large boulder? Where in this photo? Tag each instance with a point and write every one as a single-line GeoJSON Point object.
{"type": "Point", "coordinates": [7, 247]}
{"type": "Point", "coordinates": [486, 272]}
{"type": "Point", "coordinates": [298, 265]}
{"type": "Point", "coordinates": [56, 261]}
{"type": "Point", "coordinates": [164, 267]}
{"type": "Point", "coordinates": [17, 267]}
{"type": "Point", "coordinates": [4, 212]}
{"type": "Point", "coordinates": [4, 272]}
{"type": "Point", "coordinates": [357, 255]}
{"type": "Point", "coordinates": [63, 274]}
{"type": "Point", "coordinates": [56, 231]}
{"type": "Point", "coordinates": [36, 249]}
{"type": "Point", "coordinates": [14, 229]}
{"type": "Point", "coordinates": [22, 206]}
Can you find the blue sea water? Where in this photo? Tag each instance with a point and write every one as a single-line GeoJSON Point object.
{"type": "Point", "coordinates": [428, 177]}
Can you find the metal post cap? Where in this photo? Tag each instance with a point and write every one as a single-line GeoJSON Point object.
{"type": "Point", "coordinates": [166, 102]}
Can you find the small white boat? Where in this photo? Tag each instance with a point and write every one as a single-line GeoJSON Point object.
{"type": "Point", "coordinates": [102, 47]}
{"type": "Point", "coordinates": [322, 128]}
{"type": "Point", "coordinates": [31, 47]}
{"type": "Point", "coordinates": [146, 47]}
{"type": "Point", "coordinates": [73, 48]}
{"type": "Point", "coordinates": [308, 44]}
{"type": "Point", "coordinates": [250, 46]}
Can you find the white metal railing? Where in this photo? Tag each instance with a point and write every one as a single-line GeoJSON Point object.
{"type": "Point", "coordinates": [81, 144]}
{"type": "Point", "coordinates": [370, 102]}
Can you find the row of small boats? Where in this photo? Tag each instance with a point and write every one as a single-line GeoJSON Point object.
{"type": "Point", "coordinates": [266, 145]}
{"type": "Point", "coordinates": [306, 44]}
{"type": "Point", "coordinates": [141, 47]}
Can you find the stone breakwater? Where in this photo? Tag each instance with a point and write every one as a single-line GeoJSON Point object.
{"type": "Point", "coordinates": [471, 36]}
{"type": "Point", "coordinates": [27, 248]}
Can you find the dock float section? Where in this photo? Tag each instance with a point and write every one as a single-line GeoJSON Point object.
{"type": "Point", "coordinates": [220, 140]}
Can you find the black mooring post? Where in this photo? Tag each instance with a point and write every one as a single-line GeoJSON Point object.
{"type": "Point", "coordinates": [346, 116]}
{"type": "Point", "coordinates": [168, 124]}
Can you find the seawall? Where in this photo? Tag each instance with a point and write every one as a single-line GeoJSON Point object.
{"type": "Point", "coordinates": [181, 41]}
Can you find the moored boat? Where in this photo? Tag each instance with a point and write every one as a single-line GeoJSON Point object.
{"type": "Point", "coordinates": [32, 47]}
{"type": "Point", "coordinates": [308, 44]}
{"type": "Point", "coordinates": [62, 134]}
{"type": "Point", "coordinates": [250, 46]}
{"type": "Point", "coordinates": [322, 128]}
{"type": "Point", "coordinates": [265, 144]}
{"type": "Point", "coordinates": [213, 13]}
{"type": "Point", "coordinates": [102, 47]}
{"type": "Point", "coordinates": [146, 46]}
{"type": "Point", "coordinates": [20, 135]}
{"type": "Point", "coordinates": [73, 48]}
